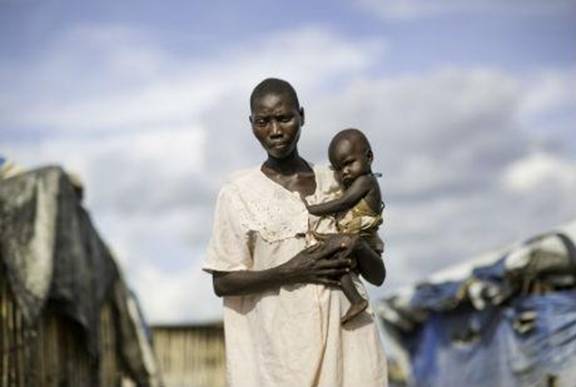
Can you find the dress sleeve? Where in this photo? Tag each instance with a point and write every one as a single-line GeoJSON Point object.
{"type": "Point", "coordinates": [228, 249]}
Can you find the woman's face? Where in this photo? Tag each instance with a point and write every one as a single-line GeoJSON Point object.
{"type": "Point", "coordinates": [276, 121]}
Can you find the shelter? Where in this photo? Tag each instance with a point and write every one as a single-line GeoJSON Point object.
{"type": "Point", "coordinates": [191, 354]}
{"type": "Point", "coordinates": [506, 319]}
{"type": "Point", "coordinates": [66, 315]}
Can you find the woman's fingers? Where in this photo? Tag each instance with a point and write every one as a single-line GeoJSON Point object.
{"type": "Point", "coordinates": [332, 273]}
{"type": "Point", "coordinates": [329, 250]}
{"type": "Point", "coordinates": [340, 263]}
{"type": "Point", "coordinates": [314, 248]}
{"type": "Point", "coordinates": [327, 282]}
{"type": "Point", "coordinates": [337, 243]}
{"type": "Point", "coordinates": [333, 247]}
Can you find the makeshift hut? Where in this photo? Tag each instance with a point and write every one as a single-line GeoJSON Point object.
{"type": "Point", "coordinates": [191, 354]}
{"type": "Point", "coordinates": [66, 316]}
{"type": "Point", "coordinates": [506, 319]}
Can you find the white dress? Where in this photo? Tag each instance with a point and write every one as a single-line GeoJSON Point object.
{"type": "Point", "coordinates": [290, 336]}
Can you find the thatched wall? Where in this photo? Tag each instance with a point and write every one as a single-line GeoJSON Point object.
{"type": "Point", "coordinates": [52, 351]}
{"type": "Point", "coordinates": [191, 355]}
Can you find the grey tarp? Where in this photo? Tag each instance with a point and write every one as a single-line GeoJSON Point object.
{"type": "Point", "coordinates": [51, 253]}
{"type": "Point", "coordinates": [50, 249]}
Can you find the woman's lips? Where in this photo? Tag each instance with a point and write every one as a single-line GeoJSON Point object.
{"type": "Point", "coordinates": [279, 144]}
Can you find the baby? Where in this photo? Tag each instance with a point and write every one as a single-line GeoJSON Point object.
{"type": "Point", "coordinates": [359, 209]}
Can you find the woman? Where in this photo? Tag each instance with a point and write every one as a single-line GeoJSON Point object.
{"type": "Point", "coordinates": [282, 305]}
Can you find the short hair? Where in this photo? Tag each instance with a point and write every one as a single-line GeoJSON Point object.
{"type": "Point", "coordinates": [350, 134]}
{"type": "Point", "coordinates": [273, 86]}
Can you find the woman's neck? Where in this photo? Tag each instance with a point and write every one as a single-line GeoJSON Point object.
{"type": "Point", "coordinates": [288, 165]}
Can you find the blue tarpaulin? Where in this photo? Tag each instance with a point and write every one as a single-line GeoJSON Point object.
{"type": "Point", "coordinates": [487, 348]}
{"type": "Point", "coordinates": [509, 321]}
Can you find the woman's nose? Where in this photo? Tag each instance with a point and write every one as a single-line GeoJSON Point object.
{"type": "Point", "coordinates": [275, 128]}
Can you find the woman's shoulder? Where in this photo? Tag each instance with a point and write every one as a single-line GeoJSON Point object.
{"type": "Point", "coordinates": [239, 175]}
{"type": "Point", "coordinates": [246, 186]}
{"type": "Point", "coordinates": [238, 190]}
{"type": "Point", "coordinates": [242, 178]}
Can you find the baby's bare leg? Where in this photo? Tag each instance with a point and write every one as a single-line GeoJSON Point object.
{"type": "Point", "coordinates": [358, 303]}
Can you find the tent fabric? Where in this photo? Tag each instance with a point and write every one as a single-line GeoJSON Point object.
{"type": "Point", "coordinates": [484, 348]}
{"type": "Point", "coordinates": [549, 258]}
{"type": "Point", "coordinates": [28, 219]}
{"type": "Point", "coordinates": [8, 168]}
{"type": "Point", "coordinates": [84, 269]}
{"type": "Point", "coordinates": [136, 349]}
{"type": "Point", "coordinates": [51, 253]}
{"type": "Point", "coordinates": [508, 321]}
{"type": "Point", "coordinates": [51, 250]}
{"type": "Point", "coordinates": [438, 297]}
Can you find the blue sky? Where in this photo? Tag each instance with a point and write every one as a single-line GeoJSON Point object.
{"type": "Point", "coordinates": [470, 107]}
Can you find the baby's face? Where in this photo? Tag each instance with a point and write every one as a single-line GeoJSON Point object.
{"type": "Point", "coordinates": [350, 159]}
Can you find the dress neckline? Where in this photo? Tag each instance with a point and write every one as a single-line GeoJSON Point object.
{"type": "Point", "coordinates": [295, 194]}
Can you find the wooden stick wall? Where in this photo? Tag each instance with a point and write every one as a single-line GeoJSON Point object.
{"type": "Point", "coordinates": [52, 352]}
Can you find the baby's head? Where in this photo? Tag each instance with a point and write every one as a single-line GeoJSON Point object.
{"type": "Point", "coordinates": [350, 155]}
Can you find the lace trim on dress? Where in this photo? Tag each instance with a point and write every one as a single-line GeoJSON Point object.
{"type": "Point", "coordinates": [265, 207]}
{"type": "Point", "coordinates": [272, 212]}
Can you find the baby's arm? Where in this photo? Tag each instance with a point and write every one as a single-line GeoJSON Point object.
{"type": "Point", "coordinates": [359, 188]}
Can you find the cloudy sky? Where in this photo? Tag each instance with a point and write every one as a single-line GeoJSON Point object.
{"type": "Point", "coordinates": [470, 106]}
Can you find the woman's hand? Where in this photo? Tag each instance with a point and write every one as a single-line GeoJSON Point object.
{"type": "Point", "coordinates": [339, 248]}
{"type": "Point", "coordinates": [323, 263]}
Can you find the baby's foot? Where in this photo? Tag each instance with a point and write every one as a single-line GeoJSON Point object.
{"type": "Point", "coordinates": [354, 310]}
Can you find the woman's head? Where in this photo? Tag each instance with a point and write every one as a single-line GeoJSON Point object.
{"type": "Point", "coordinates": [276, 117]}
{"type": "Point", "coordinates": [350, 155]}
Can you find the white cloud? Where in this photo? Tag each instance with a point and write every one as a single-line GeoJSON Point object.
{"type": "Point", "coordinates": [150, 134]}
{"type": "Point", "coordinates": [137, 86]}
{"type": "Point", "coordinates": [415, 9]}
{"type": "Point", "coordinates": [153, 135]}
{"type": "Point", "coordinates": [115, 166]}
{"type": "Point", "coordinates": [445, 141]}
{"type": "Point", "coordinates": [548, 91]}
{"type": "Point", "coordinates": [184, 295]}
{"type": "Point", "coordinates": [434, 119]}
{"type": "Point", "coordinates": [540, 169]}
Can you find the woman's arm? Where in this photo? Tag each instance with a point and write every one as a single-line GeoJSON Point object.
{"type": "Point", "coordinates": [311, 265]}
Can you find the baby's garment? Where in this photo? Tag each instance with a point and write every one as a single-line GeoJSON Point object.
{"type": "Point", "coordinates": [362, 219]}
